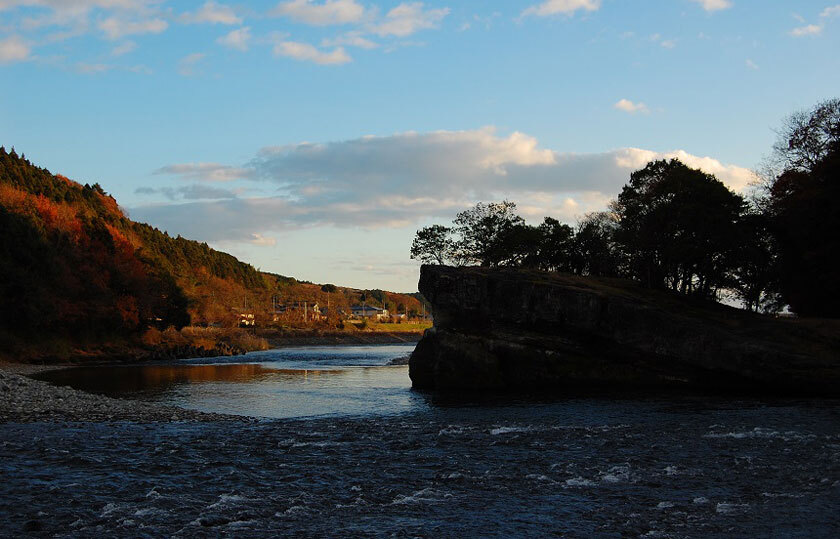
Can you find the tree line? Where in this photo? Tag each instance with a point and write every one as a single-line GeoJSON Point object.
{"type": "Point", "coordinates": [73, 264]}
{"type": "Point", "coordinates": [678, 228]}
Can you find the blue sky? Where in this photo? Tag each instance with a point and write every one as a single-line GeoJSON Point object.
{"type": "Point", "coordinates": [313, 137]}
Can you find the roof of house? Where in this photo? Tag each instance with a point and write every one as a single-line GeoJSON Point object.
{"type": "Point", "coordinates": [366, 308]}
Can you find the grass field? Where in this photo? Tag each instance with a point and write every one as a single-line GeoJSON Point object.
{"type": "Point", "coordinates": [397, 328]}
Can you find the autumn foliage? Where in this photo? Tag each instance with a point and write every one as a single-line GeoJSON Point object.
{"type": "Point", "coordinates": [74, 264]}
{"type": "Point", "coordinates": [75, 267]}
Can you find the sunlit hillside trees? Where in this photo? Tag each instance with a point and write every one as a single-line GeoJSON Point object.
{"type": "Point", "coordinates": [75, 266]}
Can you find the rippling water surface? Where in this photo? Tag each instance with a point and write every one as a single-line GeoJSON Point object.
{"type": "Point", "coordinates": [284, 383]}
{"type": "Point", "coordinates": [418, 465]}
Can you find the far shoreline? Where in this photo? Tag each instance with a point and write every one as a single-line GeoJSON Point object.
{"type": "Point", "coordinates": [138, 356]}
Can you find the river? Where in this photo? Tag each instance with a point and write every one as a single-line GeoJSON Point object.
{"type": "Point", "coordinates": [345, 448]}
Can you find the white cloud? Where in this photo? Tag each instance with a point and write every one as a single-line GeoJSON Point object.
{"type": "Point", "coordinates": [141, 69]}
{"type": "Point", "coordinates": [123, 48]}
{"type": "Point", "coordinates": [308, 53]}
{"type": "Point", "coordinates": [714, 5]}
{"type": "Point", "coordinates": [664, 43]}
{"type": "Point", "coordinates": [87, 68]}
{"type": "Point", "coordinates": [329, 13]}
{"type": "Point", "coordinates": [80, 5]}
{"type": "Point", "coordinates": [212, 13]}
{"type": "Point", "coordinates": [807, 30]}
{"type": "Point", "coordinates": [188, 192]}
{"type": "Point", "coordinates": [92, 69]}
{"type": "Point", "coordinates": [59, 16]}
{"type": "Point", "coordinates": [117, 28]}
{"type": "Point", "coordinates": [187, 64]}
{"type": "Point", "coordinates": [259, 239]}
{"type": "Point", "coordinates": [564, 7]}
{"type": "Point", "coordinates": [73, 18]}
{"type": "Point", "coordinates": [206, 172]}
{"type": "Point", "coordinates": [413, 164]}
{"type": "Point", "coordinates": [815, 29]}
{"type": "Point", "coordinates": [350, 39]}
{"type": "Point", "coordinates": [829, 12]}
{"type": "Point", "coordinates": [399, 180]}
{"type": "Point", "coordinates": [236, 39]}
{"type": "Point", "coordinates": [736, 178]}
{"type": "Point", "coordinates": [630, 107]}
{"type": "Point", "coordinates": [408, 18]}
{"type": "Point", "coordinates": [752, 65]}
{"type": "Point", "coordinates": [13, 49]}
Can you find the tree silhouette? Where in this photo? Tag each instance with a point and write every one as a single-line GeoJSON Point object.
{"type": "Point", "coordinates": [804, 213]}
{"type": "Point", "coordinates": [485, 233]}
{"type": "Point", "coordinates": [433, 245]}
{"type": "Point", "coordinates": [678, 226]}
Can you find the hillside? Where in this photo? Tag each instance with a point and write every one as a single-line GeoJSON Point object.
{"type": "Point", "coordinates": [77, 271]}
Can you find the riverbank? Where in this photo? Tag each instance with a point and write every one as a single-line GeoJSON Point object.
{"type": "Point", "coordinates": [24, 400]}
{"type": "Point", "coordinates": [193, 342]}
{"type": "Point", "coordinates": [306, 337]}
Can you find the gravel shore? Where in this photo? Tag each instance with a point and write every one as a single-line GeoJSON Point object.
{"type": "Point", "coordinates": [24, 400]}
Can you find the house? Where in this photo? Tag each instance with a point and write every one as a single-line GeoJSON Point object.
{"type": "Point", "coordinates": [306, 310]}
{"type": "Point", "coordinates": [369, 311]}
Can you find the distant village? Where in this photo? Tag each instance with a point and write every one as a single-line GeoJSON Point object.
{"type": "Point", "coordinates": [308, 312]}
{"type": "Point", "coordinates": [303, 304]}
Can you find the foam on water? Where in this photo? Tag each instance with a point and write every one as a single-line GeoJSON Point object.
{"type": "Point", "coordinates": [418, 464]}
{"type": "Point", "coordinates": [729, 508]}
{"type": "Point", "coordinates": [509, 430]}
{"type": "Point", "coordinates": [761, 432]}
{"type": "Point", "coordinates": [579, 482]}
{"type": "Point", "coordinates": [423, 496]}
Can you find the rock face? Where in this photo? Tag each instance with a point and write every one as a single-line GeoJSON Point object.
{"type": "Point", "coordinates": [516, 329]}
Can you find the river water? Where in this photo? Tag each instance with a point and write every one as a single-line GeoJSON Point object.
{"type": "Point", "coordinates": [347, 449]}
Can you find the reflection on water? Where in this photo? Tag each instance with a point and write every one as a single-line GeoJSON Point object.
{"type": "Point", "coordinates": [298, 382]}
{"type": "Point", "coordinates": [120, 381]}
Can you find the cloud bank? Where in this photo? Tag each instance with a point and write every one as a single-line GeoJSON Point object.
{"type": "Point", "coordinates": [402, 179]}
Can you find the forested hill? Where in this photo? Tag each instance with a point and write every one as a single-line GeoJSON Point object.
{"type": "Point", "coordinates": [76, 271]}
{"type": "Point", "coordinates": [73, 263]}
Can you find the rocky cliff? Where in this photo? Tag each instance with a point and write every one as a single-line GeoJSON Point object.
{"type": "Point", "coordinates": [516, 329]}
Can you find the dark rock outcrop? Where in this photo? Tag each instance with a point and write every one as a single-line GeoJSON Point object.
{"type": "Point", "coordinates": [516, 329]}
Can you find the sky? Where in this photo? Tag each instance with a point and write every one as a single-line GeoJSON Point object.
{"type": "Point", "coordinates": [312, 138]}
